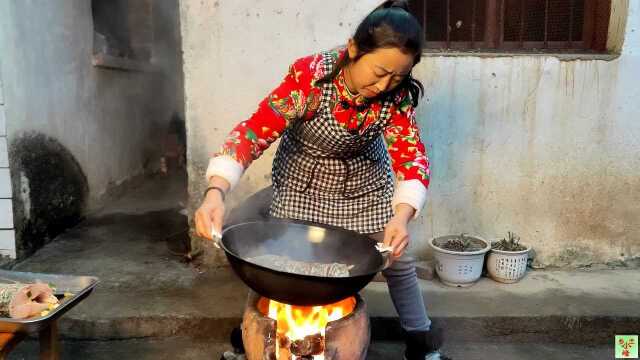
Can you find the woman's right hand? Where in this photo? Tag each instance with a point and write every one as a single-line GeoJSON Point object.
{"type": "Point", "coordinates": [210, 214]}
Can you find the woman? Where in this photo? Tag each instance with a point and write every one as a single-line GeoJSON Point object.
{"type": "Point", "coordinates": [333, 166]}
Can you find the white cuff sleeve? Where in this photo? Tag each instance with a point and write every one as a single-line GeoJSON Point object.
{"type": "Point", "coordinates": [225, 167]}
{"type": "Point", "coordinates": [411, 192]}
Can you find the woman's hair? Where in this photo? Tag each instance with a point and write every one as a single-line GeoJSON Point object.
{"type": "Point", "coordinates": [390, 25]}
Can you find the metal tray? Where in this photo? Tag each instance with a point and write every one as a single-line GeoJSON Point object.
{"type": "Point", "coordinates": [79, 286]}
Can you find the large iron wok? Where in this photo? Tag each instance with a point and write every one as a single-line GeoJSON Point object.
{"type": "Point", "coordinates": [301, 242]}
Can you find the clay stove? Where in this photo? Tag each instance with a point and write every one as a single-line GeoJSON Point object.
{"type": "Point", "coordinates": [275, 331]}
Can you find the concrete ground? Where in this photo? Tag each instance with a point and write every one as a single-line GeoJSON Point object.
{"type": "Point", "coordinates": [186, 349]}
{"type": "Point", "coordinates": [151, 300]}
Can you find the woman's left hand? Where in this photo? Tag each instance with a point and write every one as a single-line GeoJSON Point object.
{"type": "Point", "coordinates": [396, 232]}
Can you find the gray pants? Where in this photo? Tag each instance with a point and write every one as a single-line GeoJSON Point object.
{"type": "Point", "coordinates": [405, 291]}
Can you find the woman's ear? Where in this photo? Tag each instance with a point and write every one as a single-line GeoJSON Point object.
{"type": "Point", "coordinates": [352, 49]}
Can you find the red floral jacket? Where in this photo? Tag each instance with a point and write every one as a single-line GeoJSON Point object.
{"type": "Point", "coordinates": [298, 97]}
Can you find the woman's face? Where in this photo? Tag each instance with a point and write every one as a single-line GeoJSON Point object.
{"type": "Point", "coordinates": [378, 71]}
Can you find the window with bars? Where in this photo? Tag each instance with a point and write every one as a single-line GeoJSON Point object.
{"type": "Point", "coordinates": [576, 26]}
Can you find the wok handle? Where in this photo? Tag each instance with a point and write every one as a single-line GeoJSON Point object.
{"type": "Point", "coordinates": [386, 259]}
{"type": "Point", "coordinates": [385, 251]}
{"type": "Point", "coordinates": [216, 237]}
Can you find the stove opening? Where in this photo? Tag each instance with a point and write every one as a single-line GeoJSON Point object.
{"type": "Point", "coordinates": [300, 330]}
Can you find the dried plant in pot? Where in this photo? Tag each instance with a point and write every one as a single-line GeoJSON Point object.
{"type": "Point", "coordinates": [507, 260]}
{"type": "Point", "coordinates": [459, 258]}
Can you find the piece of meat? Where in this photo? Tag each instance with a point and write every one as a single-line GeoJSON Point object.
{"type": "Point", "coordinates": [21, 301]}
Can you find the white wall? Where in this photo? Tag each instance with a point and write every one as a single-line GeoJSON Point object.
{"type": "Point", "coordinates": [531, 144]}
{"type": "Point", "coordinates": [7, 234]}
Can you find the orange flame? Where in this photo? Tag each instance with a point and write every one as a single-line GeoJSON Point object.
{"type": "Point", "coordinates": [296, 322]}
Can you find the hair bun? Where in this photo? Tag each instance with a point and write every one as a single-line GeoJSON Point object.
{"type": "Point", "coordinates": [403, 4]}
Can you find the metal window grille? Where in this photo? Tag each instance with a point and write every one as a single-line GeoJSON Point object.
{"type": "Point", "coordinates": [578, 26]}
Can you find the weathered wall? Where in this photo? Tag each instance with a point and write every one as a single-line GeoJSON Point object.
{"type": "Point", "coordinates": [7, 233]}
{"type": "Point", "coordinates": [104, 117]}
{"type": "Point", "coordinates": [531, 144]}
{"type": "Point", "coordinates": [545, 148]}
{"type": "Point", "coordinates": [107, 124]}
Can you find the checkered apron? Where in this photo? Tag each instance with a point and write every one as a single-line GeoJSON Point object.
{"type": "Point", "coordinates": [327, 174]}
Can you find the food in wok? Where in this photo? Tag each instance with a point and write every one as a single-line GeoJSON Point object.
{"type": "Point", "coordinates": [284, 263]}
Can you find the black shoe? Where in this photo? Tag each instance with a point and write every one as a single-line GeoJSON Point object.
{"type": "Point", "coordinates": [434, 355]}
{"type": "Point", "coordinates": [238, 347]}
{"type": "Point", "coordinates": [424, 345]}
{"type": "Point", "coordinates": [236, 340]}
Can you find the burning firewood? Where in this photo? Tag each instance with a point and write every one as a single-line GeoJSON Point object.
{"type": "Point", "coordinates": [283, 341]}
{"type": "Point", "coordinates": [301, 348]}
{"type": "Point", "coordinates": [283, 353]}
{"type": "Point", "coordinates": [310, 345]}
